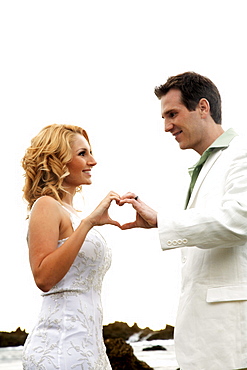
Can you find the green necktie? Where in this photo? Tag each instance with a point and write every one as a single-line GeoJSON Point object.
{"type": "Point", "coordinates": [194, 173]}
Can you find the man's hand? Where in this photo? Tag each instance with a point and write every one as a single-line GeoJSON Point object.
{"type": "Point", "coordinates": [146, 217]}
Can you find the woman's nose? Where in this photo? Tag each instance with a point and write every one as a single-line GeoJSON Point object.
{"type": "Point", "coordinates": [92, 161]}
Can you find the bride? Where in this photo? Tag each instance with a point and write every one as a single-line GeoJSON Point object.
{"type": "Point", "coordinates": [68, 257]}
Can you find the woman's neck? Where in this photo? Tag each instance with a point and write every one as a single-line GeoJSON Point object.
{"type": "Point", "coordinates": [68, 199]}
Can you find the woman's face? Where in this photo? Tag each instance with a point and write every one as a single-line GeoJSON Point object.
{"type": "Point", "coordinates": [81, 164]}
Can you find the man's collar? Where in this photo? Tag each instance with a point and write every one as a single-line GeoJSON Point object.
{"type": "Point", "coordinates": [222, 142]}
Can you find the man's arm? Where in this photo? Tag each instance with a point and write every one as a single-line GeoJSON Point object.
{"type": "Point", "coordinates": [220, 220]}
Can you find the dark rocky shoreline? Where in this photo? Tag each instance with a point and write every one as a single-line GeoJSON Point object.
{"type": "Point", "coordinates": [122, 330]}
{"type": "Point", "coordinates": [111, 331]}
{"type": "Point", "coordinates": [13, 338]}
{"type": "Point", "coordinates": [115, 335]}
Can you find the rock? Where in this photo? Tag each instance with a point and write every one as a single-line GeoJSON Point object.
{"type": "Point", "coordinates": [15, 338]}
{"type": "Point", "coordinates": [119, 330]}
{"type": "Point", "coordinates": [155, 348]}
{"type": "Point", "coordinates": [145, 332]}
{"type": "Point", "coordinates": [124, 331]}
{"type": "Point", "coordinates": [121, 356]}
{"type": "Point", "coordinates": [167, 333]}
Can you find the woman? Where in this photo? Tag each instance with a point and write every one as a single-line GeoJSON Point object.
{"type": "Point", "coordinates": [68, 257]}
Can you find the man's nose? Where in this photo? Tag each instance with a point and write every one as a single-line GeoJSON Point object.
{"type": "Point", "coordinates": [168, 126]}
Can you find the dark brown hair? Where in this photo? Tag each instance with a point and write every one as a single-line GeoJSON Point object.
{"type": "Point", "coordinates": [193, 88]}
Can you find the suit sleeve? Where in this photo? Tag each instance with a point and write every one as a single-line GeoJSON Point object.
{"type": "Point", "coordinates": [221, 226]}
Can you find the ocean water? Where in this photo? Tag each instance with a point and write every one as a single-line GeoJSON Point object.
{"type": "Point", "coordinates": [159, 360]}
{"type": "Point", "coordinates": [10, 357]}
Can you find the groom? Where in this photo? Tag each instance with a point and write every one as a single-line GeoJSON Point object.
{"type": "Point", "coordinates": [211, 327]}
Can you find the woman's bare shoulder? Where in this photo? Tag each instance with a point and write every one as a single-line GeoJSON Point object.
{"type": "Point", "coordinates": [46, 204]}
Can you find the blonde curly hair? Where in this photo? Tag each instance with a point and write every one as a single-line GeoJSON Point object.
{"type": "Point", "coordinates": [45, 162]}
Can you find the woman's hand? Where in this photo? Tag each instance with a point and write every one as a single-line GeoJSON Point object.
{"type": "Point", "coordinates": [100, 215]}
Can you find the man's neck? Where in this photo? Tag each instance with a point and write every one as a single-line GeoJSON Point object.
{"type": "Point", "coordinates": [213, 135]}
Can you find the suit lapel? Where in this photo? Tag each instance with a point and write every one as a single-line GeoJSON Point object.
{"type": "Point", "coordinates": [204, 171]}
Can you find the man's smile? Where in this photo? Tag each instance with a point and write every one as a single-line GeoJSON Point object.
{"type": "Point", "coordinates": [177, 133]}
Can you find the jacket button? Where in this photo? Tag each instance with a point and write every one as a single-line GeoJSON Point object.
{"type": "Point", "coordinates": [180, 241]}
{"type": "Point", "coordinates": [185, 241]}
{"type": "Point", "coordinates": [169, 243]}
{"type": "Point", "coordinates": [174, 242]}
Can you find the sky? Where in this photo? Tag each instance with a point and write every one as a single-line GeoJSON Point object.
{"type": "Point", "coordinates": [95, 64]}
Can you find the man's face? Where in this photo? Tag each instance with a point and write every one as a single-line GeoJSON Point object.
{"type": "Point", "coordinates": [187, 127]}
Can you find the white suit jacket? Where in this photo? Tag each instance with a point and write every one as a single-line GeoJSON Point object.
{"type": "Point", "coordinates": [211, 327]}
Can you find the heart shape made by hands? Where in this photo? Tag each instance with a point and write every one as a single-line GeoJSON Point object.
{"type": "Point", "coordinates": [123, 214]}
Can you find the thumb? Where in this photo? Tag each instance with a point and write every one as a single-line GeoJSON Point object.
{"type": "Point", "coordinates": [114, 223]}
{"type": "Point", "coordinates": [129, 225]}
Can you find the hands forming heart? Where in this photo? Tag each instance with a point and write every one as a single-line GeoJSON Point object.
{"type": "Point", "coordinates": [146, 217]}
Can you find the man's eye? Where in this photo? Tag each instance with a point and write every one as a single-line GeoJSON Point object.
{"type": "Point", "coordinates": [172, 114]}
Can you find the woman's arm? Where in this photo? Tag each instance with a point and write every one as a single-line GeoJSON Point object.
{"type": "Point", "coordinates": [49, 264]}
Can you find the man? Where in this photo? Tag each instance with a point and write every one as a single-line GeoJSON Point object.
{"type": "Point", "coordinates": [211, 327]}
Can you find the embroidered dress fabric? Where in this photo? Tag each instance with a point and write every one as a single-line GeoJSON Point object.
{"type": "Point", "coordinates": [68, 334]}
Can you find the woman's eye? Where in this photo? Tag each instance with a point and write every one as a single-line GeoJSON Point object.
{"type": "Point", "coordinates": [82, 153]}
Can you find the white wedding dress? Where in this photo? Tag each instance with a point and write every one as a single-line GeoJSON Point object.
{"type": "Point", "coordinates": [68, 334]}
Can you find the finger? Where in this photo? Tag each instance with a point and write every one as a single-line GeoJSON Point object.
{"type": "Point", "coordinates": [114, 196]}
{"type": "Point", "coordinates": [128, 195]}
{"type": "Point", "coordinates": [129, 225]}
{"type": "Point", "coordinates": [114, 223]}
{"type": "Point", "coordinates": [114, 193]}
{"type": "Point", "coordinates": [129, 201]}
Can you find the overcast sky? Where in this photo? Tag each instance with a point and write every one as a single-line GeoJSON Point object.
{"type": "Point", "coordinates": [95, 64]}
